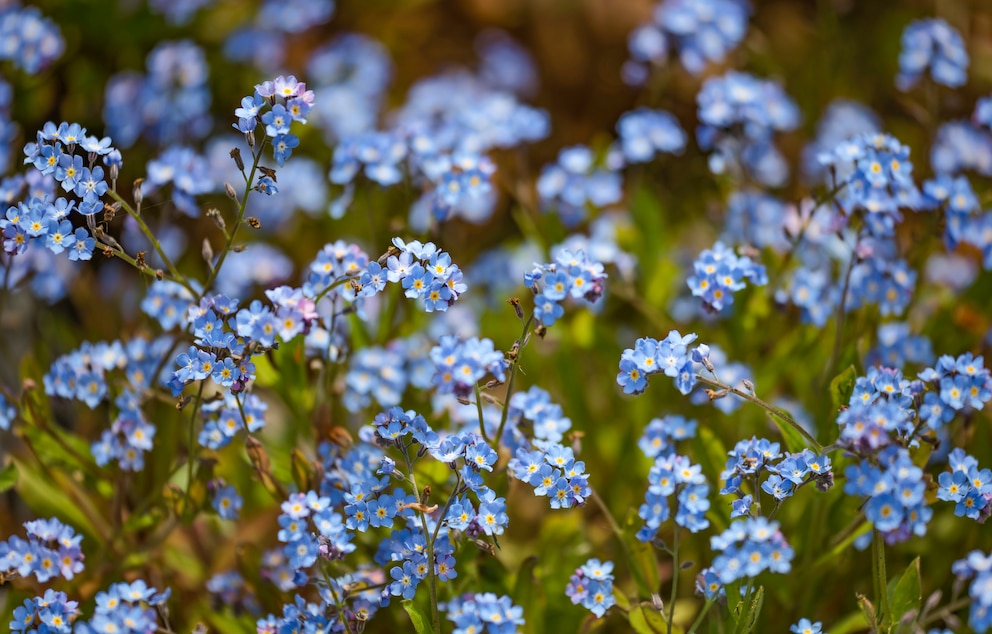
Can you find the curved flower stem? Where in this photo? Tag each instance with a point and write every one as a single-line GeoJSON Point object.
{"type": "Point", "coordinates": [950, 608]}
{"type": "Point", "coordinates": [700, 616]}
{"type": "Point", "coordinates": [431, 577]}
{"type": "Point", "coordinates": [214, 270]}
{"type": "Point", "coordinates": [764, 405]}
{"type": "Point", "coordinates": [190, 449]}
{"type": "Point", "coordinates": [635, 571]}
{"type": "Point", "coordinates": [880, 578]}
{"type": "Point", "coordinates": [519, 346]}
{"type": "Point", "coordinates": [675, 577]}
{"type": "Point", "coordinates": [152, 239]}
{"type": "Point", "coordinates": [482, 420]}
{"type": "Point", "coordinates": [144, 270]}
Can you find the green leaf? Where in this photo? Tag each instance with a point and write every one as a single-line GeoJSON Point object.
{"type": "Point", "coordinates": [8, 477]}
{"type": "Point", "coordinates": [841, 388]}
{"type": "Point", "coordinates": [858, 528]}
{"type": "Point", "coordinates": [907, 595]}
{"type": "Point", "coordinates": [641, 557]}
{"type": "Point", "coordinates": [749, 618]}
{"type": "Point", "coordinates": [794, 440]}
{"type": "Point", "coordinates": [421, 624]}
{"type": "Point", "coordinates": [853, 622]}
{"type": "Point", "coordinates": [648, 621]}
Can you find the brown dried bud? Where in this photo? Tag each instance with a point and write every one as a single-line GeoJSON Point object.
{"type": "Point", "coordinates": [541, 330]}
{"type": "Point", "coordinates": [218, 219]}
{"type": "Point", "coordinates": [138, 197]}
{"type": "Point", "coordinates": [236, 155]}
{"type": "Point", "coordinates": [254, 222]}
{"type": "Point", "coordinates": [715, 394]}
{"type": "Point", "coordinates": [425, 495]}
{"type": "Point", "coordinates": [515, 302]}
{"type": "Point", "coordinates": [493, 384]}
{"type": "Point", "coordinates": [108, 252]}
{"type": "Point", "coordinates": [238, 248]}
{"type": "Point", "coordinates": [268, 171]}
{"type": "Point", "coordinates": [229, 190]}
{"type": "Point", "coordinates": [391, 251]}
{"type": "Point", "coordinates": [159, 274]}
{"type": "Point", "coordinates": [139, 259]}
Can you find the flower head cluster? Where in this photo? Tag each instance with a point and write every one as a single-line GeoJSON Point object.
{"type": "Point", "coordinates": [187, 171]}
{"type": "Point", "coordinates": [897, 346]}
{"type": "Point", "coordinates": [572, 274]}
{"type": "Point", "coordinates": [592, 585]}
{"type": "Point", "coordinates": [964, 220]}
{"type": "Point", "coordinates": [381, 374]}
{"type": "Point", "coordinates": [426, 272]}
{"type": "Point", "coordinates": [842, 120]}
{"type": "Point", "coordinates": [719, 273]}
{"type": "Point", "coordinates": [959, 384]}
{"type": "Point", "coordinates": [379, 153]}
{"type": "Point", "coordinates": [969, 487]}
{"type": "Point", "coordinates": [552, 470]}
{"type": "Point", "coordinates": [311, 528]}
{"type": "Point", "coordinates": [873, 172]}
{"type": "Point", "coordinates": [275, 104]}
{"type": "Point", "coordinates": [755, 218]}
{"type": "Point", "coordinates": [787, 472]}
{"type": "Point", "coordinates": [485, 612]}
{"type": "Point", "coordinates": [880, 409]}
{"type": "Point", "coordinates": [977, 568]}
{"type": "Point", "coordinates": [739, 114]}
{"type": "Point", "coordinates": [534, 411]}
{"type": "Point", "coordinates": [167, 105]}
{"type": "Point", "coordinates": [961, 146]}
{"type": "Point", "coordinates": [895, 488]}
{"type": "Point", "coordinates": [936, 46]}
{"type": "Point", "coordinates": [31, 41]}
{"type": "Point", "coordinates": [54, 154]}
{"type": "Point", "coordinates": [52, 612]}
{"type": "Point", "coordinates": [748, 548]}
{"type": "Point", "coordinates": [575, 183]}
{"type": "Point", "coordinates": [661, 434]}
{"type": "Point", "coordinates": [461, 363]}
{"type": "Point", "coordinates": [644, 133]}
{"type": "Point", "coordinates": [227, 416]}
{"type": "Point", "coordinates": [129, 436]}
{"type": "Point", "coordinates": [671, 356]}
{"type": "Point", "coordinates": [886, 282]}
{"type": "Point", "coordinates": [462, 183]}
{"type": "Point", "coordinates": [672, 474]}
{"type": "Point", "coordinates": [701, 31]}
{"type": "Point", "coordinates": [127, 608]}
{"type": "Point", "coordinates": [51, 550]}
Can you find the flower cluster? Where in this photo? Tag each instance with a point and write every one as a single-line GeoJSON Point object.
{"type": "Point", "coordinates": [977, 567]}
{"type": "Point", "coordinates": [897, 346]}
{"type": "Point", "coordinates": [227, 416]}
{"type": "Point", "coordinates": [128, 608]}
{"type": "Point", "coordinates": [426, 272]}
{"type": "Point", "coordinates": [895, 489]}
{"type": "Point", "coordinates": [959, 384]}
{"type": "Point", "coordinates": [169, 104]}
{"type": "Point", "coordinates": [51, 612]}
{"type": "Point", "coordinates": [575, 183]}
{"type": "Point", "coordinates": [51, 550]}
{"type": "Point", "coordinates": [644, 133]}
{"type": "Point", "coordinates": [672, 474]}
{"type": "Point", "coordinates": [878, 411]}
{"type": "Point", "coordinates": [661, 434]}
{"type": "Point", "coordinates": [484, 612]}
{"type": "Point", "coordinates": [739, 114]}
{"type": "Point", "coordinates": [932, 45]}
{"type": "Point", "coordinates": [311, 528]}
{"type": "Point", "coordinates": [554, 473]}
{"type": "Point", "coordinates": [381, 374]}
{"type": "Point", "coordinates": [275, 104]}
{"type": "Point", "coordinates": [701, 32]}
{"type": "Point", "coordinates": [787, 472]}
{"type": "Point", "coordinates": [872, 172]}
{"type": "Point", "coordinates": [31, 41]}
{"type": "Point", "coordinates": [188, 173]}
{"type": "Point", "coordinates": [592, 585]}
{"type": "Point", "coordinates": [719, 273]}
{"type": "Point", "coordinates": [461, 363]}
{"type": "Point", "coordinates": [969, 487]}
{"type": "Point", "coordinates": [574, 274]}
{"type": "Point", "coordinates": [748, 548]}
{"type": "Point", "coordinates": [533, 410]}
{"type": "Point", "coordinates": [755, 218]}
{"type": "Point", "coordinates": [671, 356]}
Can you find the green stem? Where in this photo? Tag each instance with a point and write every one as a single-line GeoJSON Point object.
{"type": "Point", "coordinates": [701, 615]}
{"type": "Point", "coordinates": [618, 532]}
{"type": "Point", "coordinates": [431, 577]}
{"type": "Point", "coordinates": [880, 578]}
{"type": "Point", "coordinates": [152, 239]}
{"type": "Point", "coordinates": [521, 342]}
{"type": "Point", "coordinates": [482, 420]}
{"type": "Point", "coordinates": [190, 449]}
{"type": "Point", "coordinates": [243, 205]}
{"type": "Point", "coordinates": [950, 608]}
{"type": "Point", "coordinates": [675, 577]}
{"type": "Point", "coordinates": [766, 406]}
